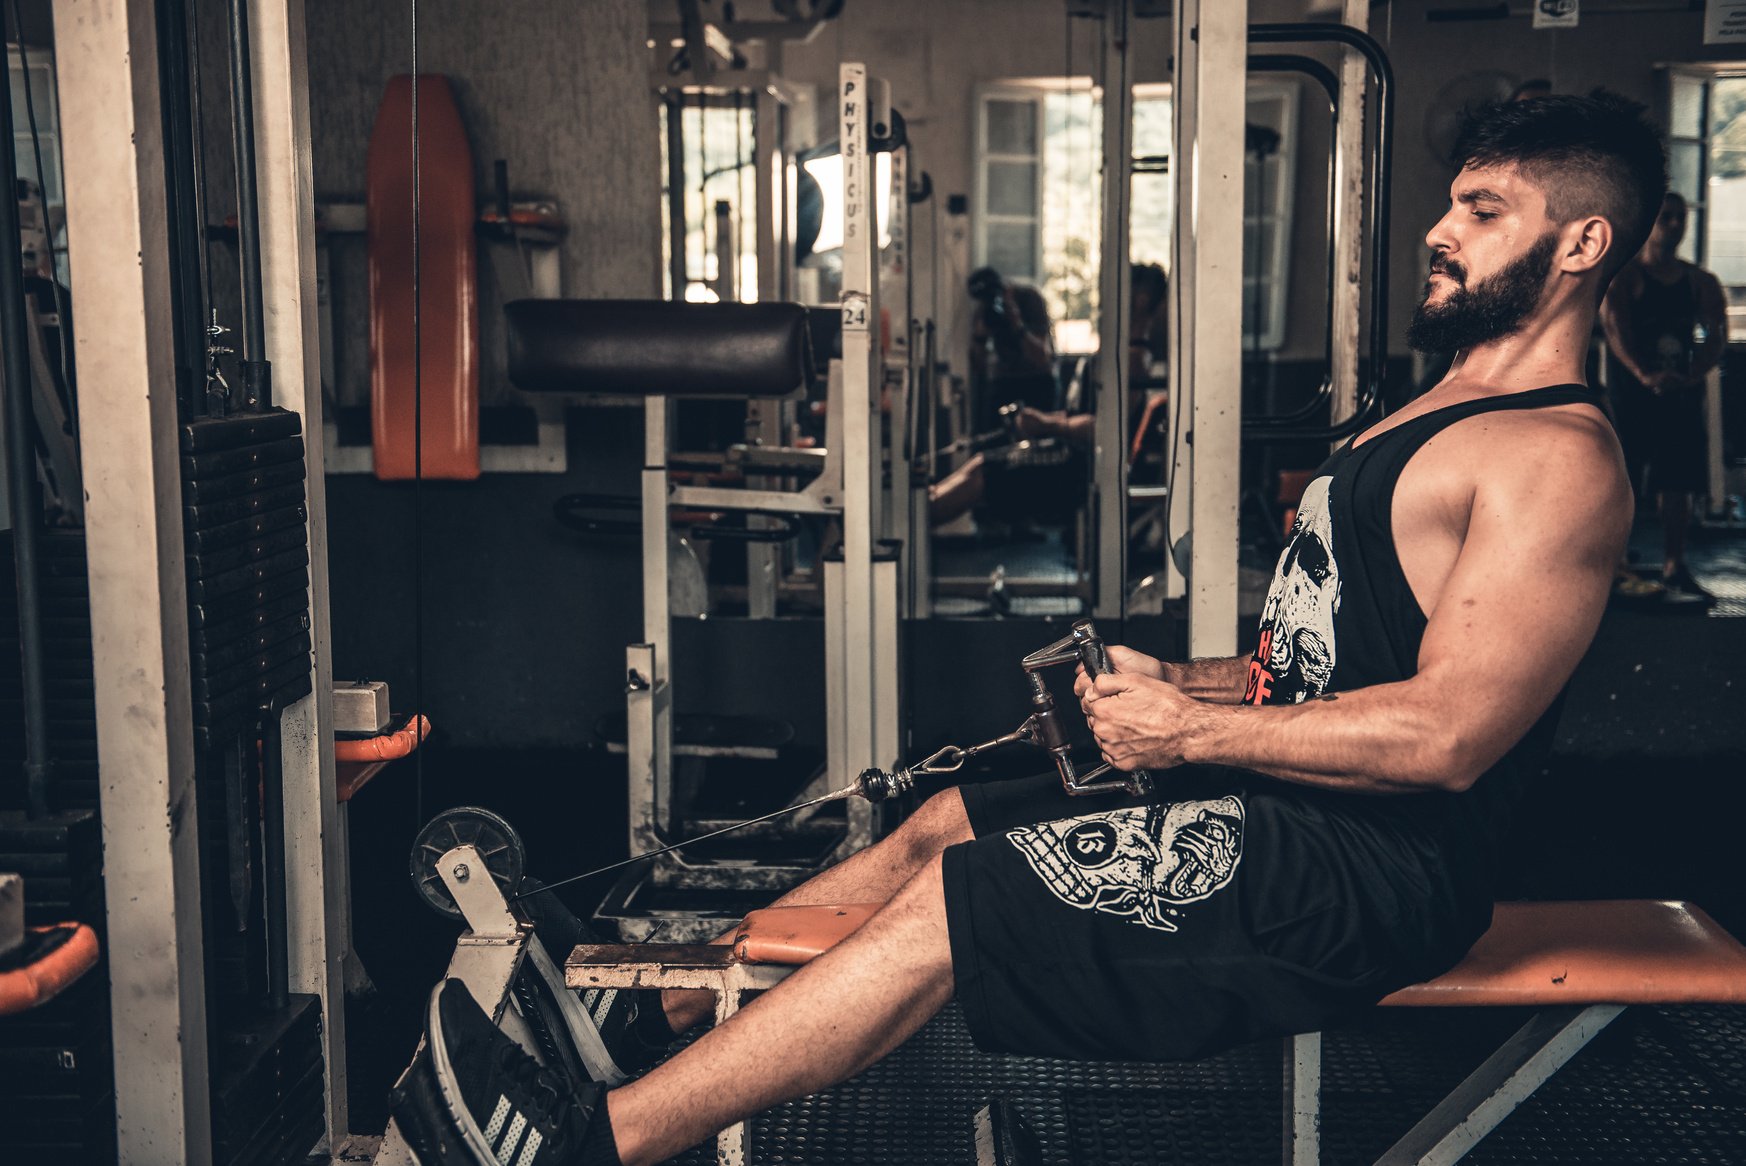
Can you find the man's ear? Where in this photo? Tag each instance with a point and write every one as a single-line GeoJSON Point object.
{"type": "Point", "coordinates": [1587, 242]}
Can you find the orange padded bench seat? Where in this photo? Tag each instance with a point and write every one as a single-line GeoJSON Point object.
{"type": "Point", "coordinates": [1613, 951]}
{"type": "Point", "coordinates": [1624, 951]}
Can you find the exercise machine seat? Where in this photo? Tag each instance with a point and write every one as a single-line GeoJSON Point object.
{"type": "Point", "coordinates": [1535, 954]}
{"type": "Point", "coordinates": [658, 348]}
{"type": "Point", "coordinates": [1620, 951]}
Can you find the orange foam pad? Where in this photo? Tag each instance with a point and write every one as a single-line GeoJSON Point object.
{"type": "Point", "coordinates": [359, 759]}
{"type": "Point", "coordinates": [794, 935]}
{"type": "Point", "coordinates": [1604, 952]}
{"type": "Point", "coordinates": [443, 367]}
{"type": "Point", "coordinates": [34, 983]}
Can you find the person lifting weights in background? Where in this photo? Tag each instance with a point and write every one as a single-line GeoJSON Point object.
{"type": "Point", "coordinates": [1666, 324]}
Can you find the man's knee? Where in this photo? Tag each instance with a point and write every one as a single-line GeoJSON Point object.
{"type": "Point", "coordinates": [940, 822]}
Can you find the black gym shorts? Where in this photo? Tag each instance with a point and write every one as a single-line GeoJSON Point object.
{"type": "Point", "coordinates": [1225, 908]}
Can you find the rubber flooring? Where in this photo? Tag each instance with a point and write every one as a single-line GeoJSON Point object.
{"type": "Point", "coordinates": [1664, 1086]}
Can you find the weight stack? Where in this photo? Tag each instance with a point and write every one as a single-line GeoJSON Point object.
{"type": "Point", "coordinates": [248, 568]}
{"type": "Point", "coordinates": [56, 1064]}
{"type": "Point", "coordinates": [247, 554]}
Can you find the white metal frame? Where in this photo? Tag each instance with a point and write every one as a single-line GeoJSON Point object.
{"type": "Point", "coordinates": [317, 886]}
{"type": "Point", "coordinates": [1110, 459]}
{"type": "Point", "coordinates": [1207, 307]}
{"type": "Point", "coordinates": [113, 154]}
{"type": "Point", "coordinates": [1471, 1110]}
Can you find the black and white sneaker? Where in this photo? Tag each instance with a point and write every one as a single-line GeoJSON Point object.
{"type": "Point", "coordinates": [601, 1023]}
{"type": "Point", "coordinates": [474, 1096]}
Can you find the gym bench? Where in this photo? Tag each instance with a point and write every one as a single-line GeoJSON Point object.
{"type": "Point", "coordinates": [1580, 964]}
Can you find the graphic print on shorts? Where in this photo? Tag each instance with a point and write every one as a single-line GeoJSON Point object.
{"type": "Point", "coordinates": [1143, 863]}
{"type": "Point", "coordinates": [1295, 658]}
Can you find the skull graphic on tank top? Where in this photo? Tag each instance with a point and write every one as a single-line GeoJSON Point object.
{"type": "Point", "coordinates": [1295, 658]}
{"type": "Point", "coordinates": [1141, 864]}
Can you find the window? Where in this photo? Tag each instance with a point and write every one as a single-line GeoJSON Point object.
{"type": "Point", "coordinates": [1039, 150]}
{"type": "Point", "coordinates": [716, 155]}
{"type": "Point", "coordinates": [42, 96]}
{"type": "Point", "coordinates": [1039, 197]}
{"type": "Point", "coordinates": [1706, 162]}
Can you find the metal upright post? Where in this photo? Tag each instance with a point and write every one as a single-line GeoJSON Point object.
{"type": "Point", "coordinates": [117, 221]}
{"type": "Point", "coordinates": [648, 694]}
{"type": "Point", "coordinates": [1348, 220]}
{"type": "Point", "coordinates": [861, 374]}
{"type": "Point", "coordinates": [1211, 50]}
{"type": "Point", "coordinates": [1110, 487]}
{"type": "Point", "coordinates": [317, 891]}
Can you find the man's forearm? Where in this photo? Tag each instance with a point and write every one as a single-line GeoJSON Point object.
{"type": "Point", "coordinates": [1371, 740]}
{"type": "Point", "coordinates": [1217, 681]}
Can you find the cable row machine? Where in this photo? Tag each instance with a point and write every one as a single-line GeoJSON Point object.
{"type": "Point", "coordinates": [667, 352]}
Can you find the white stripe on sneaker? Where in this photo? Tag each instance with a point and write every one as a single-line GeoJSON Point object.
{"type": "Point", "coordinates": [603, 1006]}
{"type": "Point", "coordinates": [534, 1138]}
{"type": "Point", "coordinates": [498, 1117]}
{"type": "Point", "coordinates": [506, 1148]}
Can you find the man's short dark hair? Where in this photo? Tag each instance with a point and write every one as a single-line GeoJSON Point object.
{"type": "Point", "coordinates": [1594, 155]}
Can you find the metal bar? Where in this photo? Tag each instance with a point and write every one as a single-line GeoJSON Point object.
{"type": "Point", "coordinates": [1493, 1091]}
{"type": "Point", "coordinates": [677, 269]}
{"type": "Point", "coordinates": [1212, 38]}
{"type": "Point", "coordinates": [1302, 1145]}
{"type": "Point", "coordinates": [1269, 429]}
{"type": "Point", "coordinates": [257, 385]}
{"type": "Point", "coordinates": [1110, 461]}
{"type": "Point", "coordinates": [861, 374]}
{"type": "Point", "coordinates": [317, 889]}
{"type": "Point", "coordinates": [23, 498]}
{"type": "Point", "coordinates": [656, 767]}
{"type": "Point", "coordinates": [117, 215]}
{"type": "Point", "coordinates": [808, 501]}
{"type": "Point", "coordinates": [1349, 221]}
{"type": "Point", "coordinates": [273, 856]}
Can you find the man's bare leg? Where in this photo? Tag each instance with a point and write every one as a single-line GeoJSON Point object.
{"type": "Point", "coordinates": [824, 1024]}
{"type": "Point", "coordinates": [872, 875]}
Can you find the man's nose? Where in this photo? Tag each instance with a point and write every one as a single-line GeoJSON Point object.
{"type": "Point", "coordinates": [1439, 238]}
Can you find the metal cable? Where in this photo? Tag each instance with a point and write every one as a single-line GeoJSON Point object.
{"type": "Point", "coordinates": [417, 444]}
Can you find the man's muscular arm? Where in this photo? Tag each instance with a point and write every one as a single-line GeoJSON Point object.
{"type": "Point", "coordinates": [1514, 616]}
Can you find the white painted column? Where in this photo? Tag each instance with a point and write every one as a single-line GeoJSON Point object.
{"type": "Point", "coordinates": [1110, 458]}
{"type": "Point", "coordinates": [1348, 219]}
{"type": "Point", "coordinates": [317, 890]}
{"type": "Point", "coordinates": [1211, 52]}
{"type": "Point", "coordinates": [113, 154]}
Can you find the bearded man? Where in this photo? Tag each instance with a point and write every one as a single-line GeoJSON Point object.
{"type": "Point", "coordinates": [1328, 810]}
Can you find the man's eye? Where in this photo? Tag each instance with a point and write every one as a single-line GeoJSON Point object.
{"type": "Point", "coordinates": [1485, 216]}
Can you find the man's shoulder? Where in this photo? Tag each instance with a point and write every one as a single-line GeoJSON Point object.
{"type": "Point", "coordinates": [1536, 448]}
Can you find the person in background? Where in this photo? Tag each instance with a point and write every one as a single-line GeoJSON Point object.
{"type": "Point", "coordinates": [1011, 336]}
{"type": "Point", "coordinates": [1666, 325]}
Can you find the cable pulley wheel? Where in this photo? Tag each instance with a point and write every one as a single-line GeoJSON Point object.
{"type": "Point", "coordinates": [499, 847]}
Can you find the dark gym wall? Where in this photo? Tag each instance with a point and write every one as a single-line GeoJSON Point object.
{"type": "Point", "coordinates": [523, 628]}
{"type": "Point", "coordinates": [560, 91]}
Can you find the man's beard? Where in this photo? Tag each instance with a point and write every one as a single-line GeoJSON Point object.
{"type": "Point", "coordinates": [1490, 310]}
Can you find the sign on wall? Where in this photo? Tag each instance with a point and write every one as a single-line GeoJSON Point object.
{"type": "Point", "coordinates": [1724, 22]}
{"type": "Point", "coordinates": [1557, 13]}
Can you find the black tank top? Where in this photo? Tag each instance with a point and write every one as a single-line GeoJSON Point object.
{"type": "Point", "coordinates": [1340, 615]}
{"type": "Point", "coordinates": [1663, 325]}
